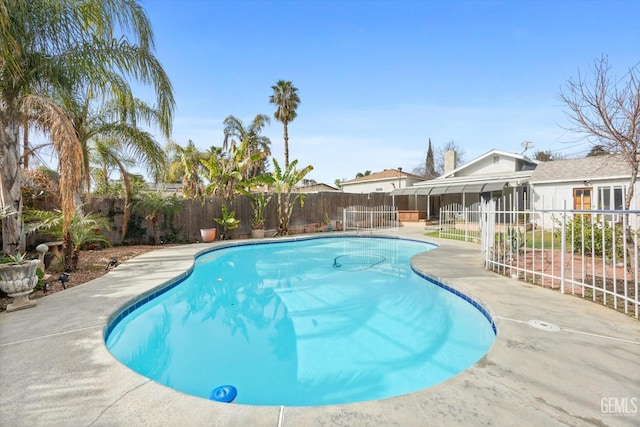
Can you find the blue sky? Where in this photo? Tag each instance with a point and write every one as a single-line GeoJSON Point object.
{"type": "Point", "coordinates": [377, 79]}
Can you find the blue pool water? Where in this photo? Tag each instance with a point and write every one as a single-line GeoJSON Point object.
{"type": "Point", "coordinates": [304, 323]}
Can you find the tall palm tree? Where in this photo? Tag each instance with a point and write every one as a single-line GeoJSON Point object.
{"type": "Point", "coordinates": [48, 51]}
{"type": "Point", "coordinates": [256, 143]}
{"type": "Point", "coordinates": [186, 166]}
{"type": "Point", "coordinates": [285, 97]}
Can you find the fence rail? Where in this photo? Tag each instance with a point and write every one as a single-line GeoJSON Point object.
{"type": "Point", "coordinates": [361, 218]}
{"type": "Point", "coordinates": [590, 253]}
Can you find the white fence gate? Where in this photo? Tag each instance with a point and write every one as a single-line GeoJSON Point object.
{"type": "Point", "coordinates": [362, 218]}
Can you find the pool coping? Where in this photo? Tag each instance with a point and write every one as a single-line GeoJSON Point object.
{"type": "Point", "coordinates": [56, 370]}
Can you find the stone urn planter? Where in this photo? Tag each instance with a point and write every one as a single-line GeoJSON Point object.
{"type": "Point", "coordinates": [208, 235]}
{"type": "Point", "coordinates": [18, 281]}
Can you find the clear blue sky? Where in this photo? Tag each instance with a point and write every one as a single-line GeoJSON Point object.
{"type": "Point", "coordinates": [377, 79]}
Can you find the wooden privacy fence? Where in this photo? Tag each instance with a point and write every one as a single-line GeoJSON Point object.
{"type": "Point", "coordinates": [193, 215]}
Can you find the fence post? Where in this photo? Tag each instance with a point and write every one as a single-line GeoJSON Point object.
{"type": "Point", "coordinates": [563, 245]}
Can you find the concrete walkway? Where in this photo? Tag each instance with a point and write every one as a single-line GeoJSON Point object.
{"type": "Point", "coordinates": [56, 371]}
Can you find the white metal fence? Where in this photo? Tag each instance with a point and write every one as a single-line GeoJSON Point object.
{"type": "Point", "coordinates": [460, 223]}
{"type": "Point", "coordinates": [361, 218]}
{"type": "Point", "coordinates": [590, 253]}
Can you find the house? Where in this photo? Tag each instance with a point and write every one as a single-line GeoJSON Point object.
{"type": "Point", "coordinates": [315, 188]}
{"type": "Point", "coordinates": [380, 182]}
{"type": "Point", "coordinates": [492, 175]}
{"type": "Point", "coordinates": [589, 183]}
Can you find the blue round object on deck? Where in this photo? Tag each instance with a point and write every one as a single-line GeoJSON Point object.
{"type": "Point", "coordinates": [224, 393]}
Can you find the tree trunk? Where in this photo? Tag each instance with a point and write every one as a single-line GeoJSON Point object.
{"type": "Point", "coordinates": [67, 252]}
{"type": "Point", "coordinates": [75, 257]}
{"type": "Point", "coordinates": [13, 239]}
{"type": "Point", "coordinates": [286, 146]}
{"type": "Point", "coordinates": [127, 204]}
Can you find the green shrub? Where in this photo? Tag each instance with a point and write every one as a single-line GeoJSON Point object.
{"type": "Point", "coordinates": [596, 235]}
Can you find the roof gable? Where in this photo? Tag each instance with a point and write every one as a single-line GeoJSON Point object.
{"type": "Point", "coordinates": [486, 164]}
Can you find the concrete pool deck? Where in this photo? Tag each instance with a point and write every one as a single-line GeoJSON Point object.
{"type": "Point", "coordinates": [55, 369]}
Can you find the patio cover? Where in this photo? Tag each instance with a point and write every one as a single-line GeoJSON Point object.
{"type": "Point", "coordinates": [449, 188]}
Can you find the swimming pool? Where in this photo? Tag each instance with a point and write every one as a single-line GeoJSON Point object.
{"type": "Point", "coordinates": [308, 322]}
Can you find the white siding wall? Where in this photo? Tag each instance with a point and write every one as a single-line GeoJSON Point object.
{"type": "Point", "coordinates": [490, 165]}
{"type": "Point", "coordinates": [378, 186]}
{"type": "Point", "coordinates": [553, 195]}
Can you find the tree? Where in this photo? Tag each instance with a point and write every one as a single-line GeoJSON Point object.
{"type": "Point", "coordinates": [597, 150]}
{"type": "Point", "coordinates": [256, 143]}
{"type": "Point", "coordinates": [285, 97]}
{"type": "Point", "coordinates": [547, 156]}
{"type": "Point", "coordinates": [151, 205]}
{"type": "Point", "coordinates": [606, 111]}
{"type": "Point", "coordinates": [107, 153]}
{"type": "Point", "coordinates": [186, 166]}
{"type": "Point", "coordinates": [429, 166]}
{"type": "Point", "coordinates": [85, 228]}
{"type": "Point", "coordinates": [227, 170]}
{"type": "Point", "coordinates": [283, 183]}
{"type": "Point", "coordinates": [49, 51]}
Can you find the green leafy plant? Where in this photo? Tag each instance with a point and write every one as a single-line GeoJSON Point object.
{"type": "Point", "coordinates": [325, 219]}
{"type": "Point", "coordinates": [15, 259]}
{"type": "Point", "coordinates": [84, 228]}
{"type": "Point", "coordinates": [259, 204]}
{"type": "Point", "coordinates": [228, 222]}
{"type": "Point", "coordinates": [596, 236]}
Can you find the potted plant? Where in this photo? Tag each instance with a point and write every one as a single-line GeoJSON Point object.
{"type": "Point", "coordinates": [208, 235]}
{"type": "Point", "coordinates": [259, 202]}
{"type": "Point", "coordinates": [18, 278]}
{"type": "Point", "coordinates": [228, 222]}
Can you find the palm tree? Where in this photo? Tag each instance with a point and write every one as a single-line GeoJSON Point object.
{"type": "Point", "coordinates": [49, 51]}
{"type": "Point", "coordinates": [120, 123]}
{"type": "Point", "coordinates": [186, 166]}
{"type": "Point", "coordinates": [151, 205]}
{"type": "Point", "coordinates": [284, 182]}
{"type": "Point", "coordinates": [285, 97]}
{"type": "Point", "coordinates": [256, 143]}
{"type": "Point", "coordinates": [107, 151]}
{"type": "Point", "coordinates": [85, 228]}
{"type": "Point", "coordinates": [227, 170]}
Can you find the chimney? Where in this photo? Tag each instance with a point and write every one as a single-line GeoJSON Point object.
{"type": "Point", "coordinates": [450, 160]}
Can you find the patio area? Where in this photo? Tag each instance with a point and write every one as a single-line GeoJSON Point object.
{"type": "Point", "coordinates": [56, 369]}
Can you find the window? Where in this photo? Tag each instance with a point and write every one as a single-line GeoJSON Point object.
{"type": "Point", "coordinates": [606, 202]}
{"type": "Point", "coordinates": [582, 198]}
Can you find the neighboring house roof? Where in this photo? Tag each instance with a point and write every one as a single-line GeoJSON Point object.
{"type": "Point", "coordinates": [315, 188]}
{"type": "Point", "coordinates": [584, 169]}
{"type": "Point", "coordinates": [380, 176]}
{"type": "Point", "coordinates": [455, 172]}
